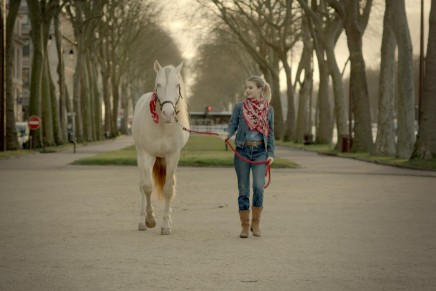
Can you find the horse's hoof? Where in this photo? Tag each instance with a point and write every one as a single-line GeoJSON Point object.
{"type": "Point", "coordinates": [165, 231]}
{"type": "Point", "coordinates": [150, 223]}
{"type": "Point", "coordinates": [141, 226]}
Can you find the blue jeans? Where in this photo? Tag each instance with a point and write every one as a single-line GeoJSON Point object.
{"type": "Point", "coordinates": [252, 153]}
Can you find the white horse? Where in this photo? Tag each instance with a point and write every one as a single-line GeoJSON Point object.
{"type": "Point", "coordinates": [158, 139]}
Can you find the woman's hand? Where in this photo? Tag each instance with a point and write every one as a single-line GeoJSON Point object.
{"type": "Point", "coordinates": [270, 160]}
{"type": "Point", "coordinates": [223, 135]}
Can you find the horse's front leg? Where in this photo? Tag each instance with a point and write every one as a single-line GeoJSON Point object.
{"type": "Point", "coordinates": [169, 190]}
{"type": "Point", "coordinates": [145, 165]}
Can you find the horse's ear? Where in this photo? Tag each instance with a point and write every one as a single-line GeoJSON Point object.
{"type": "Point", "coordinates": [157, 66]}
{"type": "Point", "coordinates": [179, 67]}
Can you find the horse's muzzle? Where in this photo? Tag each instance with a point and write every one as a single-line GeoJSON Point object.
{"type": "Point", "coordinates": [168, 114]}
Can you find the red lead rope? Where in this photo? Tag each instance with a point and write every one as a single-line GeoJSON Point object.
{"type": "Point", "coordinates": [268, 164]}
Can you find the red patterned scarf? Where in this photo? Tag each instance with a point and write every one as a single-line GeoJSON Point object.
{"type": "Point", "coordinates": [153, 107]}
{"type": "Point", "coordinates": [256, 114]}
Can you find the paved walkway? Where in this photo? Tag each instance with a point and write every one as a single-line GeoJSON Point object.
{"type": "Point", "coordinates": [334, 224]}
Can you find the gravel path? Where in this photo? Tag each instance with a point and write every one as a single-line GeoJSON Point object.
{"type": "Point", "coordinates": [334, 224]}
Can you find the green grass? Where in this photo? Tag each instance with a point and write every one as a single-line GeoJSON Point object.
{"type": "Point", "coordinates": [14, 154]}
{"type": "Point", "coordinates": [420, 164]}
{"type": "Point", "coordinates": [48, 149]}
{"type": "Point", "coordinates": [416, 164]}
{"type": "Point", "coordinates": [321, 148]}
{"type": "Point", "coordinates": [393, 161]}
{"type": "Point", "coordinates": [200, 151]}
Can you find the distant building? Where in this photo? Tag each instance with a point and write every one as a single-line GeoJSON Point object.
{"type": "Point", "coordinates": [22, 68]}
{"type": "Point", "coordinates": [21, 64]}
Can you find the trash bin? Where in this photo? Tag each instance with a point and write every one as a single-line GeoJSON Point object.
{"type": "Point", "coordinates": [345, 143]}
{"type": "Point", "coordinates": [308, 138]}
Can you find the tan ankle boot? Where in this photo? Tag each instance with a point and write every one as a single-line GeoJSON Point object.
{"type": "Point", "coordinates": [255, 220]}
{"type": "Point", "coordinates": [244, 215]}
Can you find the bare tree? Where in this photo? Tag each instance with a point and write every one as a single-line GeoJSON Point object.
{"type": "Point", "coordinates": [406, 89]}
{"type": "Point", "coordinates": [2, 85]}
{"type": "Point", "coordinates": [425, 146]}
{"type": "Point", "coordinates": [385, 141]}
{"type": "Point", "coordinates": [304, 125]}
{"type": "Point", "coordinates": [260, 27]}
{"type": "Point", "coordinates": [281, 32]}
{"type": "Point", "coordinates": [42, 100]}
{"type": "Point", "coordinates": [396, 32]}
{"type": "Point", "coordinates": [11, 131]}
{"type": "Point", "coordinates": [231, 65]}
{"type": "Point", "coordinates": [63, 100]}
{"type": "Point", "coordinates": [84, 17]}
{"type": "Point", "coordinates": [355, 15]}
{"type": "Point", "coordinates": [327, 26]}
{"type": "Point", "coordinates": [120, 26]}
{"type": "Point", "coordinates": [104, 66]}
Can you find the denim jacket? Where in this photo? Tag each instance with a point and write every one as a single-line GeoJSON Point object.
{"type": "Point", "coordinates": [237, 124]}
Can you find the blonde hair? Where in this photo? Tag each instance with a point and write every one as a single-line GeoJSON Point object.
{"type": "Point", "coordinates": [262, 84]}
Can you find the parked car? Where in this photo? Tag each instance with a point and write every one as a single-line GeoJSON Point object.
{"type": "Point", "coordinates": [22, 133]}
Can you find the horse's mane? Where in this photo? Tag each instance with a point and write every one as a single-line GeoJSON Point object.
{"type": "Point", "coordinates": [183, 105]}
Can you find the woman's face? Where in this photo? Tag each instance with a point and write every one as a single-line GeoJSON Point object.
{"type": "Point", "coordinates": [251, 90]}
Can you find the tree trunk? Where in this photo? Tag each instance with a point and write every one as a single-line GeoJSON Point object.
{"type": "Point", "coordinates": [324, 127]}
{"type": "Point", "coordinates": [324, 116]}
{"type": "Point", "coordinates": [2, 84]}
{"type": "Point", "coordinates": [330, 37]}
{"type": "Point", "coordinates": [362, 140]}
{"type": "Point", "coordinates": [90, 90]}
{"type": "Point", "coordinates": [125, 108]}
{"type": "Point", "coordinates": [96, 103]}
{"type": "Point", "coordinates": [289, 125]}
{"type": "Point", "coordinates": [115, 105]}
{"type": "Point", "coordinates": [425, 147]}
{"type": "Point", "coordinates": [276, 101]}
{"type": "Point", "coordinates": [56, 128]}
{"type": "Point", "coordinates": [303, 127]}
{"type": "Point", "coordinates": [86, 101]}
{"type": "Point", "coordinates": [355, 15]}
{"type": "Point", "coordinates": [107, 104]}
{"type": "Point", "coordinates": [406, 88]}
{"type": "Point", "coordinates": [385, 141]}
{"type": "Point", "coordinates": [11, 131]}
{"type": "Point", "coordinates": [46, 106]}
{"type": "Point", "coordinates": [37, 68]}
{"type": "Point", "coordinates": [77, 94]}
{"type": "Point", "coordinates": [61, 82]}
{"type": "Point", "coordinates": [305, 93]}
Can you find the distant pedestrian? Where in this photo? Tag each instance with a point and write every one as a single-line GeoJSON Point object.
{"type": "Point", "coordinates": [253, 121]}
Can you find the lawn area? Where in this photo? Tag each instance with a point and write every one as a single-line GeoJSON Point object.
{"type": "Point", "coordinates": [48, 149]}
{"type": "Point", "coordinates": [429, 165]}
{"type": "Point", "coordinates": [14, 154]}
{"type": "Point", "coordinates": [200, 151]}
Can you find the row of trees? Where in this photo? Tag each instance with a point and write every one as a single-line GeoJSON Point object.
{"type": "Point", "coordinates": [268, 30]}
{"type": "Point", "coordinates": [115, 42]}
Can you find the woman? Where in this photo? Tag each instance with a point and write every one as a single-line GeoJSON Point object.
{"type": "Point", "coordinates": [253, 122]}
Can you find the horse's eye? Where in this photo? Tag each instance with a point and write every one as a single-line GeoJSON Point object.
{"type": "Point", "coordinates": [158, 85]}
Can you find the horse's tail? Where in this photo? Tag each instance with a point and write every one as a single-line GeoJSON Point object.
{"type": "Point", "coordinates": [159, 176]}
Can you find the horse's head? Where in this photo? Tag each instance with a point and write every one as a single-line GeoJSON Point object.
{"type": "Point", "coordinates": [167, 88]}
